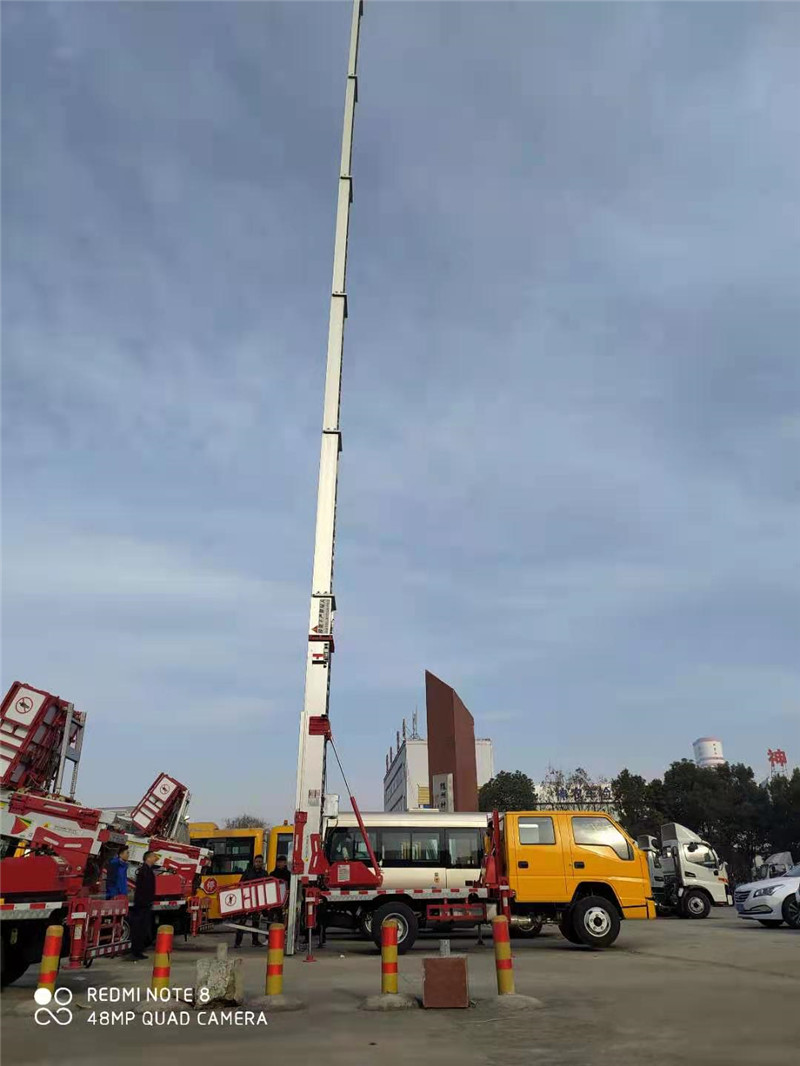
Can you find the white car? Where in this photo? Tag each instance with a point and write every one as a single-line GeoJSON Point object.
{"type": "Point", "coordinates": [771, 902]}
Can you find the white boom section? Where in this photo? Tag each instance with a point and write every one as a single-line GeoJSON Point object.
{"type": "Point", "coordinates": [311, 757]}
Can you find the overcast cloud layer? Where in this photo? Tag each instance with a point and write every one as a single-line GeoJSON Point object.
{"type": "Point", "coordinates": [571, 402]}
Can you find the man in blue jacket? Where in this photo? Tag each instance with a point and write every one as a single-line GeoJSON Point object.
{"type": "Point", "coordinates": [117, 875]}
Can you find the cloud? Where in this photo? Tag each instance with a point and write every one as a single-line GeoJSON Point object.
{"type": "Point", "coordinates": [570, 397]}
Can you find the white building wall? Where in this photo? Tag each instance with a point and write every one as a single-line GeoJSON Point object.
{"type": "Point", "coordinates": [484, 760]}
{"type": "Point", "coordinates": [405, 783]}
{"type": "Point", "coordinates": [395, 783]}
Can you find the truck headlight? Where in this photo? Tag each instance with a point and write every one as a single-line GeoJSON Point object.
{"type": "Point", "coordinates": [766, 891]}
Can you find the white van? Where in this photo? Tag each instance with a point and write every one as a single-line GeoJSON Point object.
{"type": "Point", "coordinates": [414, 849]}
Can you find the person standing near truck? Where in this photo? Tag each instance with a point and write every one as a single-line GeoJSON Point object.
{"type": "Point", "coordinates": [117, 875]}
{"type": "Point", "coordinates": [254, 872]}
{"type": "Point", "coordinates": [141, 915]}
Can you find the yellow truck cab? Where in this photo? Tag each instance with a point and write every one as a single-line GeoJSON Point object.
{"type": "Point", "coordinates": [578, 868]}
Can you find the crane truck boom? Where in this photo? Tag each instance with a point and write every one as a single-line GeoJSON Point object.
{"type": "Point", "coordinates": [311, 755]}
{"type": "Point", "coordinates": [588, 908]}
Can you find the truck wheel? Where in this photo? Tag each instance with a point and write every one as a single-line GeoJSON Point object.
{"type": "Point", "coordinates": [365, 925]}
{"type": "Point", "coordinates": [695, 905]}
{"type": "Point", "coordinates": [595, 921]}
{"type": "Point", "coordinates": [529, 929]}
{"type": "Point", "coordinates": [566, 929]}
{"type": "Point", "coordinates": [407, 925]}
{"type": "Point", "coordinates": [12, 964]}
{"type": "Point", "coordinates": [791, 911]}
{"type": "Point", "coordinates": [770, 923]}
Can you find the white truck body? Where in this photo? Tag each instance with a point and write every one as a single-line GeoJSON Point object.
{"type": "Point", "coordinates": [687, 875]}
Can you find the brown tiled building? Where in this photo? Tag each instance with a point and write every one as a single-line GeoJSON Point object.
{"type": "Point", "coordinates": [451, 743]}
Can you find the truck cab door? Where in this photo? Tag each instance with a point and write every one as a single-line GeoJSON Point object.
{"type": "Point", "coordinates": [700, 867]}
{"type": "Point", "coordinates": [599, 851]}
{"type": "Point", "coordinates": [536, 858]}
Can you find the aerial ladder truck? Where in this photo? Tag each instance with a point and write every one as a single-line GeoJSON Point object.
{"type": "Point", "coordinates": [55, 849]}
{"type": "Point", "coordinates": [587, 906]}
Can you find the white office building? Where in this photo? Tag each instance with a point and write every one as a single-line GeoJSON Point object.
{"type": "Point", "coordinates": [484, 760]}
{"type": "Point", "coordinates": [406, 785]}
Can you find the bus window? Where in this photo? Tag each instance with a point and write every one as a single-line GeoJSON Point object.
{"type": "Point", "coordinates": [347, 845]}
{"type": "Point", "coordinates": [425, 847]}
{"type": "Point", "coordinates": [409, 847]}
{"type": "Point", "coordinates": [464, 848]}
{"type": "Point", "coordinates": [230, 855]}
{"type": "Point", "coordinates": [395, 847]}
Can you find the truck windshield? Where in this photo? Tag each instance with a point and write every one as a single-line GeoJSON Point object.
{"type": "Point", "coordinates": [701, 856]}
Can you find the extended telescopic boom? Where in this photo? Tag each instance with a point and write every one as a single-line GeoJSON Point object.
{"type": "Point", "coordinates": [311, 757]}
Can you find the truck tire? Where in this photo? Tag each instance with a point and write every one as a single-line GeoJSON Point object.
{"type": "Point", "coordinates": [695, 904]}
{"type": "Point", "coordinates": [566, 929]}
{"type": "Point", "coordinates": [12, 964]}
{"type": "Point", "coordinates": [365, 925]}
{"type": "Point", "coordinates": [595, 922]}
{"type": "Point", "coordinates": [408, 927]}
{"type": "Point", "coordinates": [791, 911]}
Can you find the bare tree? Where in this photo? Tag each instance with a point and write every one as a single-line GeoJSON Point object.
{"type": "Point", "coordinates": [246, 821]}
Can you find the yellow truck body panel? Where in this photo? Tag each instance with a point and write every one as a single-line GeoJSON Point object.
{"type": "Point", "coordinates": [552, 854]}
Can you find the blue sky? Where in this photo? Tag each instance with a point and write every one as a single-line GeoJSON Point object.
{"type": "Point", "coordinates": [571, 403]}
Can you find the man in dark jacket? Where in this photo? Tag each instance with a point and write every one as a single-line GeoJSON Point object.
{"type": "Point", "coordinates": [281, 870]}
{"type": "Point", "coordinates": [141, 914]}
{"type": "Point", "coordinates": [117, 875]}
{"type": "Point", "coordinates": [282, 873]}
{"type": "Point", "coordinates": [254, 872]}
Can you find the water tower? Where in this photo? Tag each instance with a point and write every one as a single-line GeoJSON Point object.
{"type": "Point", "coordinates": [708, 752]}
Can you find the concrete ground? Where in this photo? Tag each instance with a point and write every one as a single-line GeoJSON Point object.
{"type": "Point", "coordinates": [720, 991]}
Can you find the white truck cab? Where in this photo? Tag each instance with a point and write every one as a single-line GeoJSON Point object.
{"type": "Point", "coordinates": [687, 875]}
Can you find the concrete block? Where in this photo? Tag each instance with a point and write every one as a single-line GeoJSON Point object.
{"type": "Point", "coordinates": [445, 982]}
{"type": "Point", "coordinates": [222, 977]}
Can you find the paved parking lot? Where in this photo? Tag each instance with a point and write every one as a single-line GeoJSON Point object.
{"type": "Point", "coordinates": [721, 991]}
